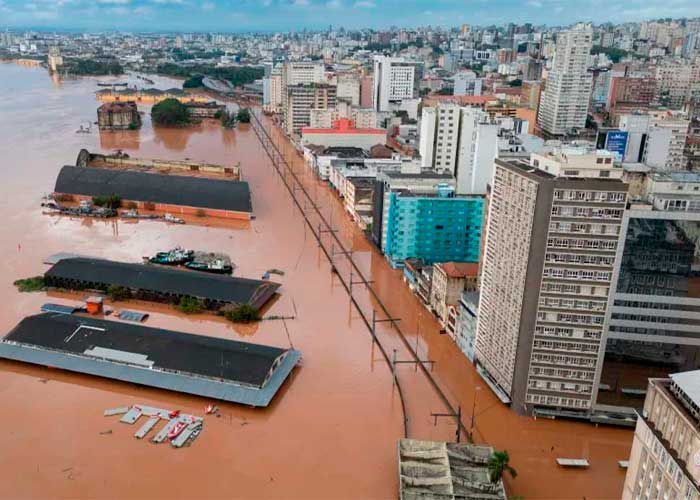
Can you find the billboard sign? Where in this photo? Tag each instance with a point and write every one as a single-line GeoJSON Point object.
{"type": "Point", "coordinates": [616, 143]}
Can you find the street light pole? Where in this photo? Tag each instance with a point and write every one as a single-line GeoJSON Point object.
{"type": "Point", "coordinates": [473, 420]}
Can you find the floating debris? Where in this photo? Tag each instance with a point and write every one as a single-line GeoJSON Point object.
{"type": "Point", "coordinates": [116, 411]}
{"type": "Point", "coordinates": [179, 429]}
{"type": "Point", "coordinates": [171, 218]}
{"type": "Point", "coordinates": [146, 428]}
{"type": "Point", "coordinates": [137, 317]}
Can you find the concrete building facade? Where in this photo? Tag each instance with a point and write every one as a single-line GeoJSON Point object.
{"type": "Point", "coordinates": [394, 81]}
{"type": "Point", "coordinates": [564, 102]}
{"type": "Point", "coordinates": [301, 99]}
{"type": "Point", "coordinates": [546, 272]}
{"type": "Point", "coordinates": [665, 457]}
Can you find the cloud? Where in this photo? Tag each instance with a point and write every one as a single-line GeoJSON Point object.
{"type": "Point", "coordinates": [301, 3]}
{"type": "Point", "coordinates": [535, 3]}
{"type": "Point", "coordinates": [365, 4]}
{"type": "Point", "coordinates": [169, 2]}
{"type": "Point", "coordinates": [334, 4]}
{"type": "Point", "coordinates": [208, 6]}
{"type": "Point", "coordinates": [114, 2]}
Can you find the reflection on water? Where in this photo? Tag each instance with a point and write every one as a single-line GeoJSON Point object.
{"type": "Point", "coordinates": [112, 140]}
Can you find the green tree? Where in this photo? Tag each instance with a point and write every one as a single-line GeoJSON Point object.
{"type": "Point", "coordinates": [170, 112]}
{"type": "Point", "coordinates": [498, 464]}
{"type": "Point", "coordinates": [243, 115]}
{"type": "Point", "coordinates": [193, 82]}
{"type": "Point", "coordinates": [242, 313]}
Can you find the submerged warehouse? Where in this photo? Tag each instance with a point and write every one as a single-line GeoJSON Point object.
{"type": "Point", "coordinates": [216, 368]}
{"type": "Point", "coordinates": [159, 284]}
{"type": "Point", "coordinates": [153, 191]}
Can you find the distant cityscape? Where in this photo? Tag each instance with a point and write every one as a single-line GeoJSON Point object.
{"type": "Point", "coordinates": [537, 187]}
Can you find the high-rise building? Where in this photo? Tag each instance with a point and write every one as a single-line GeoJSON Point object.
{"type": "Point", "coordinates": [461, 141]}
{"type": "Point", "coordinates": [301, 99]}
{"type": "Point", "coordinates": [394, 81]}
{"type": "Point", "coordinates": [564, 103]}
{"type": "Point", "coordinates": [653, 323]}
{"type": "Point", "coordinates": [665, 457]}
{"type": "Point", "coordinates": [552, 231]}
{"type": "Point", "coordinates": [418, 216]}
{"type": "Point", "coordinates": [300, 73]}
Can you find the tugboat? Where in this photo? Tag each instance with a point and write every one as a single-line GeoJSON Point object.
{"type": "Point", "coordinates": [175, 257]}
{"type": "Point", "coordinates": [217, 266]}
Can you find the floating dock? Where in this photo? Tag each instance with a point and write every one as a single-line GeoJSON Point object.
{"type": "Point", "coordinates": [215, 368]}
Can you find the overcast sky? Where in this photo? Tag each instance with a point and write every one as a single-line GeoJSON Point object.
{"type": "Point", "coordinates": [284, 15]}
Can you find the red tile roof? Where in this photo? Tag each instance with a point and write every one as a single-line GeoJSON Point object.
{"type": "Point", "coordinates": [460, 269]}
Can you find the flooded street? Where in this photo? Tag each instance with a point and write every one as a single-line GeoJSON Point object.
{"type": "Point", "coordinates": [332, 430]}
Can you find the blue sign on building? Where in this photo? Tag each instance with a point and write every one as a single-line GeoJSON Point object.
{"type": "Point", "coordinates": [616, 143]}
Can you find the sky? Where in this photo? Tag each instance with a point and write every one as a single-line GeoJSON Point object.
{"type": "Point", "coordinates": [291, 15]}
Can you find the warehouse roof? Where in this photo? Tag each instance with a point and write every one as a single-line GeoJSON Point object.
{"type": "Point", "coordinates": [198, 192]}
{"type": "Point", "coordinates": [165, 280]}
{"type": "Point", "coordinates": [194, 364]}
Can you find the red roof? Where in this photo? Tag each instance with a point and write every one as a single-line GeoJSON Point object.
{"type": "Point", "coordinates": [460, 269]}
{"type": "Point", "coordinates": [343, 126]}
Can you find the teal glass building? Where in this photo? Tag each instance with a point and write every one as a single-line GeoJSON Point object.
{"type": "Point", "coordinates": [439, 227]}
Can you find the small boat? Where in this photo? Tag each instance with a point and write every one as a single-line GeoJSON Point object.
{"type": "Point", "coordinates": [210, 409]}
{"type": "Point", "coordinates": [174, 413]}
{"type": "Point", "coordinates": [175, 257]}
{"type": "Point", "coordinates": [177, 430]}
{"type": "Point", "coordinates": [217, 266]}
{"type": "Point", "coordinates": [173, 219]}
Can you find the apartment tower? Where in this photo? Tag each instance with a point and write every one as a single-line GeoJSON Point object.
{"type": "Point", "coordinates": [552, 233]}
{"type": "Point", "coordinates": [564, 103]}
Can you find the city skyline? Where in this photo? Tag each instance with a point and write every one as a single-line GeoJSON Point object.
{"type": "Point", "coordinates": [290, 15]}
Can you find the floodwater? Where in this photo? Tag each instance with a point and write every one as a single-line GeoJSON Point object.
{"type": "Point", "coordinates": [331, 432]}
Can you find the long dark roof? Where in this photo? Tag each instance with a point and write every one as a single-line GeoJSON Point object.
{"type": "Point", "coordinates": [165, 280]}
{"type": "Point", "coordinates": [198, 192]}
{"type": "Point", "coordinates": [183, 352]}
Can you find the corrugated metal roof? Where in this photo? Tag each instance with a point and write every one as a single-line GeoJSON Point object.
{"type": "Point", "coordinates": [189, 383]}
{"type": "Point", "coordinates": [188, 191]}
{"type": "Point", "coordinates": [165, 280]}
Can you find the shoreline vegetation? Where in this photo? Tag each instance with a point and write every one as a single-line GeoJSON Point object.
{"type": "Point", "coordinates": [235, 75]}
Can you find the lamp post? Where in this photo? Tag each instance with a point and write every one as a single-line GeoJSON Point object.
{"type": "Point", "coordinates": [471, 427]}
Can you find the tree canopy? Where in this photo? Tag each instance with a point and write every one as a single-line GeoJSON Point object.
{"type": "Point", "coordinates": [170, 112]}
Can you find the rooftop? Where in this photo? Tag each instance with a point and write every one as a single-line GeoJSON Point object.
{"type": "Point", "coordinates": [343, 126]}
{"type": "Point", "coordinates": [197, 192]}
{"type": "Point", "coordinates": [165, 280]}
{"type": "Point", "coordinates": [195, 364]}
{"type": "Point", "coordinates": [459, 269]}
{"type": "Point", "coordinates": [432, 470]}
{"type": "Point", "coordinates": [689, 383]}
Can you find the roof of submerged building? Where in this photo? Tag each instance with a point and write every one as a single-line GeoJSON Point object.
{"type": "Point", "coordinates": [195, 364]}
{"type": "Point", "coordinates": [165, 280]}
{"type": "Point", "coordinates": [197, 192]}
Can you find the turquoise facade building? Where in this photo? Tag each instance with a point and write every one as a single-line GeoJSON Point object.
{"type": "Point", "coordinates": [433, 227]}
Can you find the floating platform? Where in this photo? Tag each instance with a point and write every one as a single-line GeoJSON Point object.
{"type": "Point", "coordinates": [210, 367]}
{"type": "Point", "coordinates": [159, 283]}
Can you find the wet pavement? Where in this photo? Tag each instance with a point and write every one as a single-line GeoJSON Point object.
{"type": "Point", "coordinates": [332, 430]}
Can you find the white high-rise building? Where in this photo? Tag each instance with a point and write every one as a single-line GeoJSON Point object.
{"type": "Point", "coordinates": [394, 81]}
{"type": "Point", "coordinates": [461, 141]}
{"type": "Point", "coordinates": [564, 104]}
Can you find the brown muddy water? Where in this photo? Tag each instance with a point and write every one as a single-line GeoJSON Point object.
{"type": "Point", "coordinates": [331, 432]}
